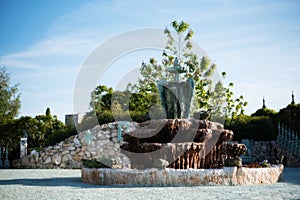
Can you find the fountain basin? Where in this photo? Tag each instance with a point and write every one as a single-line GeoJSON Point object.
{"type": "Point", "coordinates": [228, 176]}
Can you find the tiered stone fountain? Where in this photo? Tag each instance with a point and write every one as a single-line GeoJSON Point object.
{"type": "Point", "coordinates": [178, 150]}
{"type": "Point", "coordinates": [184, 143]}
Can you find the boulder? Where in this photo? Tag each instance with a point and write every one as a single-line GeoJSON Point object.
{"type": "Point", "coordinates": [160, 163]}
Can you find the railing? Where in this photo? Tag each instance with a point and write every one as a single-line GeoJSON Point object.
{"type": "Point", "coordinates": [288, 139]}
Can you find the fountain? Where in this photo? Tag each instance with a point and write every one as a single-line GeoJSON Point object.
{"type": "Point", "coordinates": [184, 143]}
{"type": "Point", "coordinates": [178, 150]}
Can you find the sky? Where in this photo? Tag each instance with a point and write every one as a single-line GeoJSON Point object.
{"type": "Point", "coordinates": [44, 45]}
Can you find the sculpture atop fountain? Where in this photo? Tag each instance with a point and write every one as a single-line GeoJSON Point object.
{"type": "Point", "coordinates": [176, 96]}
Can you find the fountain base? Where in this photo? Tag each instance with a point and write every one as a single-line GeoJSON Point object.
{"type": "Point", "coordinates": [227, 176]}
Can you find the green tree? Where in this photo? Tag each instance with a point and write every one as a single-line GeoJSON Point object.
{"type": "Point", "coordinates": [101, 98]}
{"type": "Point", "coordinates": [37, 130]}
{"type": "Point", "coordinates": [207, 93]}
{"type": "Point", "coordinates": [46, 126]}
{"type": "Point", "coordinates": [10, 102]}
{"type": "Point", "coordinates": [264, 112]}
{"type": "Point", "coordinates": [233, 107]}
{"type": "Point", "coordinates": [48, 112]}
{"type": "Point", "coordinates": [290, 116]}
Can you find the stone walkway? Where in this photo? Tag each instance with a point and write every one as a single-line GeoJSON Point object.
{"type": "Point", "coordinates": [66, 184]}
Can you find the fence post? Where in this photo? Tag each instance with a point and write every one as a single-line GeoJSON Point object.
{"type": "Point", "coordinates": [293, 143]}
{"type": "Point", "coordinates": [279, 134]}
{"type": "Point", "coordinates": [6, 162]}
{"type": "Point", "coordinates": [297, 146]}
{"type": "Point", "coordinates": [1, 163]}
{"type": "Point", "coordinates": [289, 144]}
{"type": "Point", "coordinates": [286, 141]}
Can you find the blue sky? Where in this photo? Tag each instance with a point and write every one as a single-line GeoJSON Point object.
{"type": "Point", "coordinates": [45, 43]}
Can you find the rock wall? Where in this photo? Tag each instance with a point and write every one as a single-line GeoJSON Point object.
{"type": "Point", "coordinates": [99, 142]}
{"type": "Point", "coordinates": [269, 150]}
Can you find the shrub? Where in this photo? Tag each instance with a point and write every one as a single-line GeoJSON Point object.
{"type": "Point", "coordinates": [100, 163]}
{"type": "Point", "coordinates": [290, 116]}
{"type": "Point", "coordinates": [264, 112]}
{"type": "Point", "coordinates": [60, 135]}
{"type": "Point", "coordinates": [260, 128]}
{"type": "Point", "coordinates": [107, 117]}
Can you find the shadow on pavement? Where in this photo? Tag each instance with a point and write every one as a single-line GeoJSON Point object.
{"type": "Point", "coordinates": [59, 182]}
{"type": "Point", "coordinates": [291, 175]}
{"type": "Point", "coordinates": [55, 182]}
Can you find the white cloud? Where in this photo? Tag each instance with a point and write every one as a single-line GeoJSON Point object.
{"type": "Point", "coordinates": [39, 55]}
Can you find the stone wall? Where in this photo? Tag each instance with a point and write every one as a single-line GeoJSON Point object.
{"type": "Point", "coordinates": [99, 142]}
{"type": "Point", "coordinates": [271, 151]}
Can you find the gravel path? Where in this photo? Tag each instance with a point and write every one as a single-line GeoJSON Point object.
{"type": "Point", "coordinates": [66, 184]}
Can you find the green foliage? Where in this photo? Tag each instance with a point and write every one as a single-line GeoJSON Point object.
{"type": "Point", "coordinates": [48, 112]}
{"type": "Point", "coordinates": [98, 163]}
{"type": "Point", "coordinates": [101, 98]}
{"type": "Point", "coordinates": [290, 116]}
{"type": "Point", "coordinates": [263, 164]}
{"type": "Point", "coordinates": [110, 106]}
{"type": "Point", "coordinates": [262, 125]}
{"type": "Point", "coordinates": [107, 117]}
{"type": "Point", "coordinates": [260, 128]}
{"type": "Point", "coordinates": [201, 70]}
{"type": "Point", "coordinates": [10, 102]}
{"type": "Point", "coordinates": [224, 102]}
{"type": "Point", "coordinates": [233, 106]}
{"type": "Point", "coordinates": [59, 135]}
{"type": "Point", "coordinates": [93, 163]}
{"type": "Point", "coordinates": [264, 112]}
{"type": "Point", "coordinates": [41, 130]}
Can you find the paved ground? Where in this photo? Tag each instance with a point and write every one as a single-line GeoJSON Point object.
{"type": "Point", "coordinates": [66, 184]}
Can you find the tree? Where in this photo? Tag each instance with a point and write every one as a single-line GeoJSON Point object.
{"type": "Point", "coordinates": [48, 112]}
{"type": "Point", "coordinates": [10, 102]}
{"type": "Point", "coordinates": [290, 116]}
{"type": "Point", "coordinates": [264, 112]}
{"type": "Point", "coordinates": [207, 93]}
{"type": "Point", "coordinates": [110, 105]}
{"type": "Point", "coordinates": [101, 98]}
{"type": "Point", "coordinates": [37, 130]}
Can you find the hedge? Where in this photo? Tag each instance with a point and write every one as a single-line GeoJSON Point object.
{"type": "Point", "coordinates": [260, 128]}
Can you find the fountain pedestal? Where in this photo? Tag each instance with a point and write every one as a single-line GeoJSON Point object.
{"type": "Point", "coordinates": [228, 176]}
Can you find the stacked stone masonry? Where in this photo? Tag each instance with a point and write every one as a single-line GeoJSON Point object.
{"type": "Point", "coordinates": [99, 142]}
{"type": "Point", "coordinates": [271, 151]}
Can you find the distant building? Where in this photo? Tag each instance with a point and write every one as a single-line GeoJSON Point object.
{"type": "Point", "coordinates": [73, 119]}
